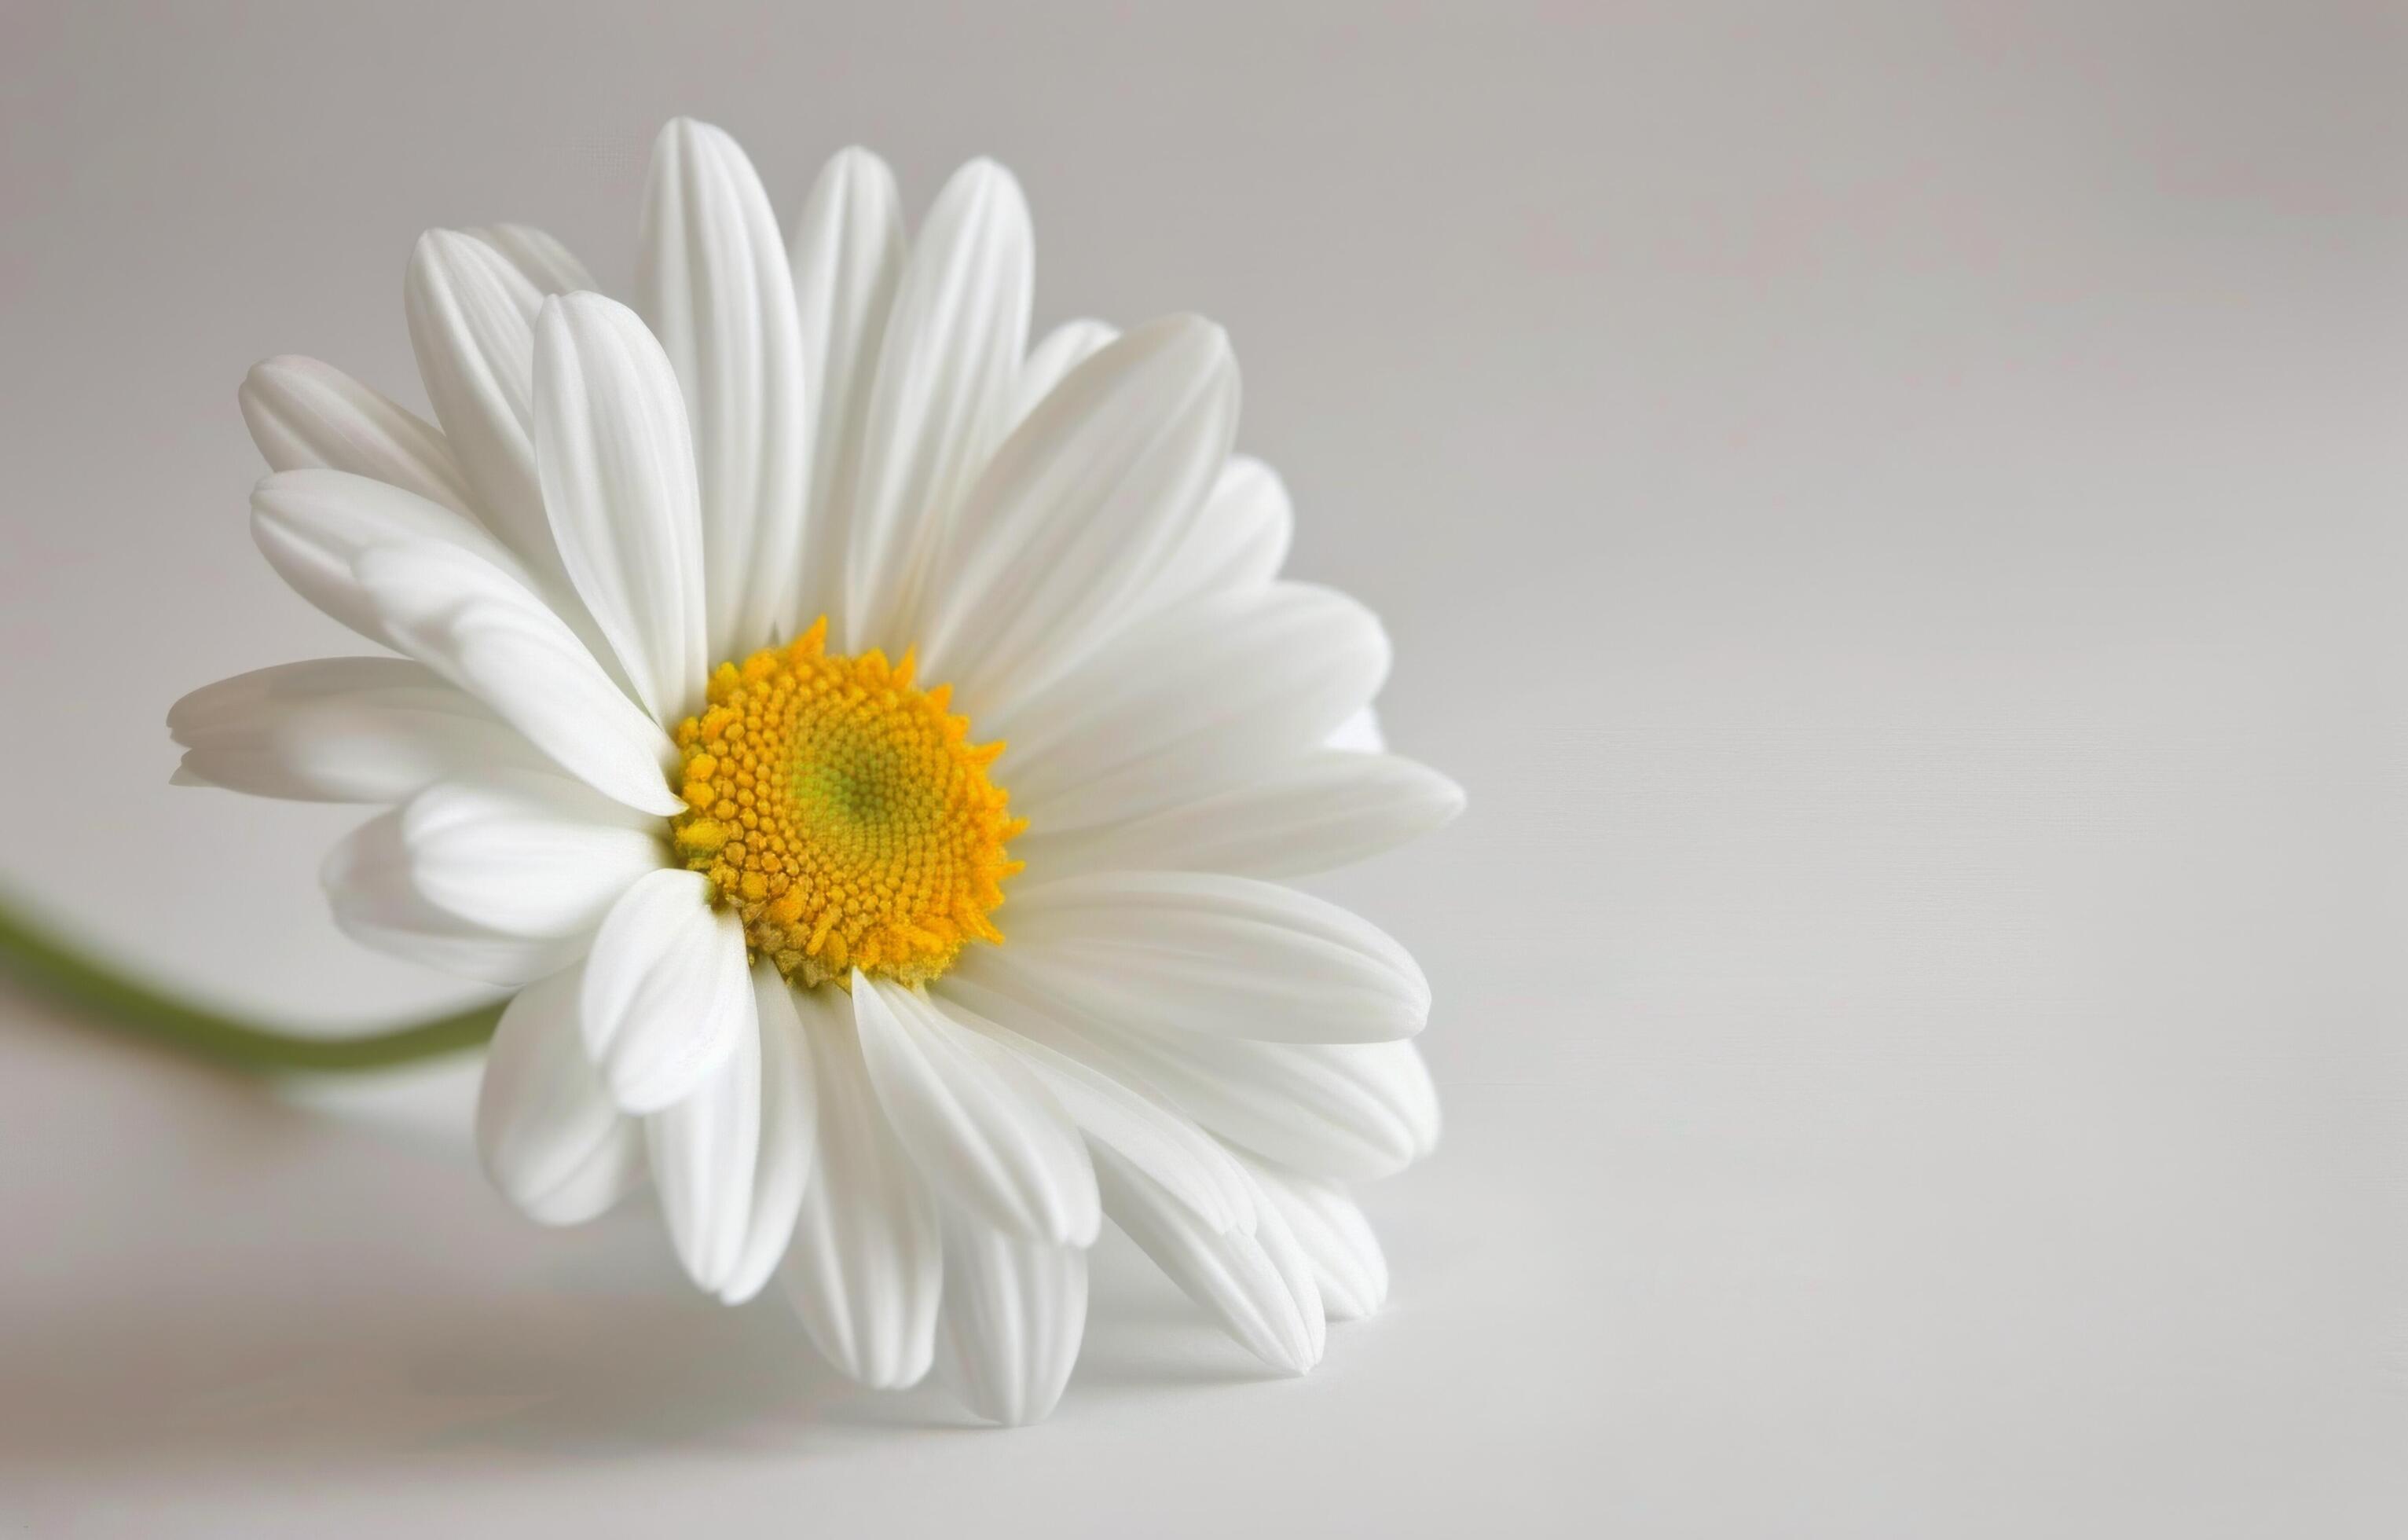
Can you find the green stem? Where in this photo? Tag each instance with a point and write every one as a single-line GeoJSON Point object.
{"type": "Point", "coordinates": [47, 965]}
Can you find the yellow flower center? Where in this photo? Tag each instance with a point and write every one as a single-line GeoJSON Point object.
{"type": "Point", "coordinates": [842, 813]}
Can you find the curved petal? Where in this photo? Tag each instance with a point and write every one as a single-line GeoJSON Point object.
{"type": "Point", "coordinates": [307, 415]}
{"type": "Point", "coordinates": [1062, 350]}
{"type": "Point", "coordinates": [1237, 544]}
{"type": "Point", "coordinates": [954, 341]}
{"type": "Point", "coordinates": [526, 852]}
{"type": "Point", "coordinates": [1202, 952]}
{"type": "Point", "coordinates": [704, 1151]}
{"type": "Point", "coordinates": [1295, 1268]}
{"type": "Point", "coordinates": [712, 278]}
{"type": "Point", "coordinates": [1326, 810]}
{"type": "Point", "coordinates": [1135, 1122]}
{"type": "Point", "coordinates": [666, 995]}
{"type": "Point", "coordinates": [978, 1125]}
{"type": "Point", "coordinates": [866, 1269]}
{"type": "Point", "coordinates": [471, 315]}
{"type": "Point", "coordinates": [1212, 695]}
{"type": "Point", "coordinates": [1360, 733]}
{"type": "Point", "coordinates": [547, 1131]}
{"type": "Point", "coordinates": [368, 881]}
{"type": "Point", "coordinates": [551, 267]}
{"type": "Point", "coordinates": [613, 1170]}
{"type": "Point", "coordinates": [848, 253]}
{"type": "Point", "coordinates": [313, 525]}
{"type": "Point", "coordinates": [789, 1124]}
{"type": "Point", "coordinates": [1347, 1112]}
{"type": "Point", "coordinates": [1014, 1313]}
{"type": "Point", "coordinates": [617, 473]}
{"type": "Point", "coordinates": [1256, 1284]}
{"type": "Point", "coordinates": [1347, 1261]}
{"type": "Point", "coordinates": [479, 627]}
{"type": "Point", "coordinates": [339, 729]}
{"type": "Point", "coordinates": [1085, 498]}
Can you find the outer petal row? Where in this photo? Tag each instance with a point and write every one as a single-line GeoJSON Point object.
{"type": "Point", "coordinates": [339, 729]}
{"type": "Point", "coordinates": [1347, 1262]}
{"type": "Point", "coordinates": [1256, 1283]}
{"type": "Point", "coordinates": [547, 1129]}
{"type": "Point", "coordinates": [305, 415]}
{"type": "Point", "coordinates": [1014, 1313]}
{"type": "Point", "coordinates": [314, 525]}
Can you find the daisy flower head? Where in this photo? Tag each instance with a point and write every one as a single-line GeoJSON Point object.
{"type": "Point", "coordinates": [870, 748]}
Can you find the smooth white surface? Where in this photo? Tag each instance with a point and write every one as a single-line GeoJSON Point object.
{"type": "Point", "coordinates": [1894, 520]}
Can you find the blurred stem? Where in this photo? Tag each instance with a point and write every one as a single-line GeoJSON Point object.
{"type": "Point", "coordinates": [50, 966]}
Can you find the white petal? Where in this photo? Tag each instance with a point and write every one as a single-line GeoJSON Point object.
{"type": "Point", "coordinates": [368, 878]}
{"type": "Point", "coordinates": [1360, 733]}
{"type": "Point", "coordinates": [471, 324]}
{"type": "Point", "coordinates": [1203, 952]}
{"type": "Point", "coordinates": [472, 316]}
{"type": "Point", "coordinates": [789, 1127]}
{"type": "Point", "coordinates": [547, 1130]}
{"type": "Point", "coordinates": [1347, 1261]}
{"type": "Point", "coordinates": [712, 278]}
{"type": "Point", "coordinates": [619, 485]}
{"type": "Point", "coordinates": [704, 1149]}
{"type": "Point", "coordinates": [1237, 543]}
{"type": "Point", "coordinates": [1348, 1111]}
{"type": "Point", "coordinates": [1255, 1283]}
{"type": "Point", "coordinates": [1063, 349]}
{"type": "Point", "coordinates": [667, 993]}
{"type": "Point", "coordinates": [312, 527]}
{"type": "Point", "coordinates": [1295, 1267]}
{"type": "Point", "coordinates": [848, 253]}
{"type": "Point", "coordinates": [526, 852]}
{"type": "Point", "coordinates": [339, 729]}
{"type": "Point", "coordinates": [1212, 695]}
{"type": "Point", "coordinates": [942, 393]}
{"type": "Point", "coordinates": [1014, 1311]}
{"type": "Point", "coordinates": [865, 1269]}
{"type": "Point", "coordinates": [486, 632]}
{"type": "Point", "coordinates": [614, 1170]}
{"type": "Point", "coordinates": [1085, 498]}
{"type": "Point", "coordinates": [304, 414]}
{"type": "Point", "coordinates": [1130, 1118]}
{"type": "Point", "coordinates": [1322, 811]}
{"type": "Point", "coordinates": [551, 267]}
{"type": "Point", "coordinates": [977, 1122]}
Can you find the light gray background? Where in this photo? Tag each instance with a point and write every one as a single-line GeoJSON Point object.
{"type": "Point", "coordinates": [1895, 517]}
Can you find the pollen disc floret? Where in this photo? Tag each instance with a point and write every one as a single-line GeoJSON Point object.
{"type": "Point", "coordinates": [843, 813]}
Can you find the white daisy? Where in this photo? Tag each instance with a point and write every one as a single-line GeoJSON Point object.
{"type": "Point", "coordinates": [715, 617]}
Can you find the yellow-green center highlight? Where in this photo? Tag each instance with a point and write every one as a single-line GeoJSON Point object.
{"type": "Point", "coordinates": [843, 813]}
